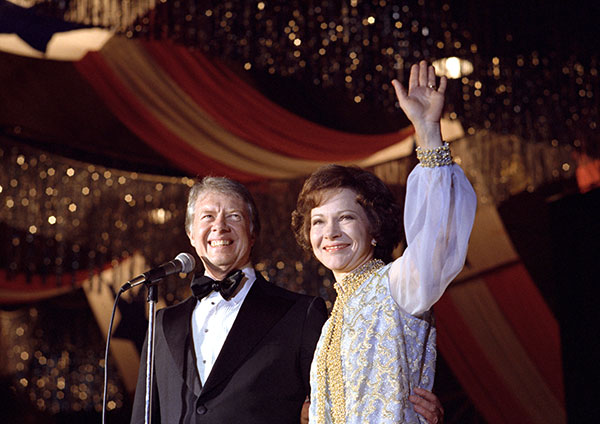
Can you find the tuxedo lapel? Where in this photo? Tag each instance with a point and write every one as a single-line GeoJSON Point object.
{"type": "Point", "coordinates": [258, 314]}
{"type": "Point", "coordinates": [177, 332]}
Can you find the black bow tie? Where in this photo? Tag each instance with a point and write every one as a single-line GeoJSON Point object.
{"type": "Point", "coordinates": [203, 285]}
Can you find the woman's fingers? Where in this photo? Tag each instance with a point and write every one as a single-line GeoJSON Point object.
{"type": "Point", "coordinates": [426, 394]}
{"type": "Point", "coordinates": [423, 74]}
{"type": "Point", "coordinates": [423, 101]}
{"type": "Point", "coordinates": [413, 79]}
{"type": "Point", "coordinates": [431, 77]}
{"type": "Point", "coordinates": [400, 91]}
{"type": "Point", "coordinates": [443, 83]}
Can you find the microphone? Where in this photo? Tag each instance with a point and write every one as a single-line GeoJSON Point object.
{"type": "Point", "coordinates": [184, 262]}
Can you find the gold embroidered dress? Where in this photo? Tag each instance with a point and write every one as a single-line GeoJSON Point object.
{"type": "Point", "coordinates": [379, 343]}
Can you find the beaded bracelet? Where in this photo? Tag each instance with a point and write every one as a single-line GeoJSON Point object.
{"type": "Point", "coordinates": [438, 156]}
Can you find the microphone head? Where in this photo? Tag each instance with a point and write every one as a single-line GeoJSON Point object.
{"type": "Point", "coordinates": [188, 263]}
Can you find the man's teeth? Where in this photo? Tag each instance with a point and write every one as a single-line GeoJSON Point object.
{"type": "Point", "coordinates": [215, 243]}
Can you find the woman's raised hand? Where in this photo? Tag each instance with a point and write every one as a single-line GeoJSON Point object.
{"type": "Point", "coordinates": [423, 104]}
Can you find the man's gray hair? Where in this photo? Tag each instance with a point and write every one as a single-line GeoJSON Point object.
{"type": "Point", "coordinates": [225, 186]}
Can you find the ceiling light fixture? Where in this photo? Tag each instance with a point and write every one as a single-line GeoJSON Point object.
{"type": "Point", "coordinates": [452, 67]}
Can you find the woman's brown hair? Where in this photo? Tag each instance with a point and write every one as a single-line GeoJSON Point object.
{"type": "Point", "coordinates": [372, 194]}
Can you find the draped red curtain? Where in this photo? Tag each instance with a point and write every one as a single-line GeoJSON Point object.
{"type": "Point", "coordinates": [503, 344]}
{"type": "Point", "coordinates": [248, 114]}
{"type": "Point", "coordinates": [134, 114]}
{"type": "Point", "coordinates": [205, 119]}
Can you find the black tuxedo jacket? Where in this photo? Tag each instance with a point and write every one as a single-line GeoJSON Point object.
{"type": "Point", "coordinates": [261, 374]}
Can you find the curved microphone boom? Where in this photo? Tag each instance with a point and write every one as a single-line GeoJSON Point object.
{"type": "Point", "coordinates": [184, 262]}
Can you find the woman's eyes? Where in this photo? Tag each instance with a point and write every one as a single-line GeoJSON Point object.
{"type": "Point", "coordinates": [341, 218]}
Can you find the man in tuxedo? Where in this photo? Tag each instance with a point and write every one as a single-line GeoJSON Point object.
{"type": "Point", "coordinates": [240, 349]}
{"type": "Point", "coordinates": [239, 357]}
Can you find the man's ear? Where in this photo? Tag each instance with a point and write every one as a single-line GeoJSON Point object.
{"type": "Point", "coordinates": [191, 237]}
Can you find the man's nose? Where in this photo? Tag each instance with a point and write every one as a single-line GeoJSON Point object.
{"type": "Point", "coordinates": [220, 223]}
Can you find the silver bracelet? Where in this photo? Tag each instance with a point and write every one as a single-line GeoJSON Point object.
{"type": "Point", "coordinates": [438, 156]}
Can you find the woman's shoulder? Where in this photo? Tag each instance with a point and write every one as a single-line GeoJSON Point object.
{"type": "Point", "coordinates": [383, 273]}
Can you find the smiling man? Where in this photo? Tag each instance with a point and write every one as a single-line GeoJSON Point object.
{"type": "Point", "coordinates": [239, 350]}
{"type": "Point", "coordinates": [221, 232]}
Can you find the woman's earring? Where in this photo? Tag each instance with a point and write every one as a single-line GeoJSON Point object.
{"type": "Point", "coordinates": [373, 242]}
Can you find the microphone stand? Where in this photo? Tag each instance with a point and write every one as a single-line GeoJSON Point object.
{"type": "Point", "coordinates": [152, 299]}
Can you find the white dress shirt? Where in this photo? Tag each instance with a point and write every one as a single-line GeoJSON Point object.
{"type": "Point", "coordinates": [212, 319]}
